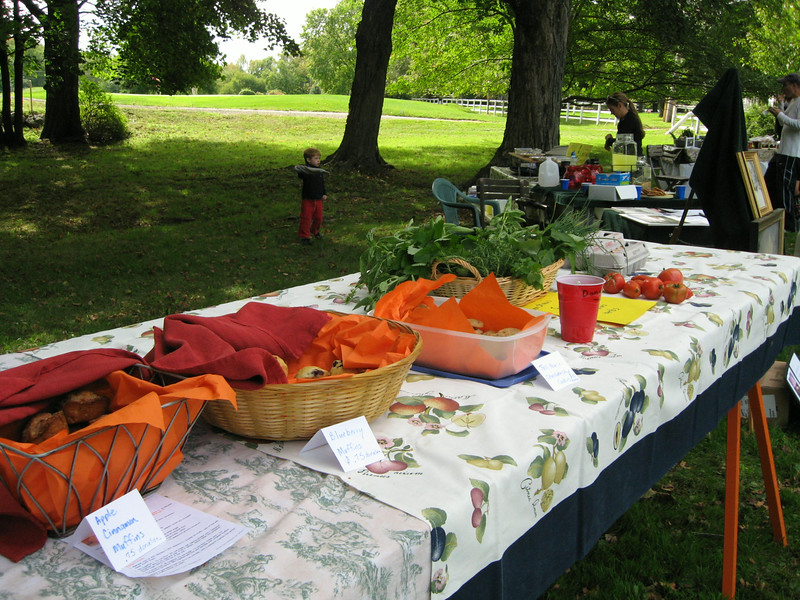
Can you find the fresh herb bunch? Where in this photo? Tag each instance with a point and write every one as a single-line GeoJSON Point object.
{"type": "Point", "coordinates": [505, 247]}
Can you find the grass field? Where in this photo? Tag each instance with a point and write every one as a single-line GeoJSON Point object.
{"type": "Point", "coordinates": [199, 208]}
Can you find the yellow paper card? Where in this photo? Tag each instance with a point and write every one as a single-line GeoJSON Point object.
{"type": "Point", "coordinates": [613, 309]}
{"type": "Point", "coordinates": [581, 151]}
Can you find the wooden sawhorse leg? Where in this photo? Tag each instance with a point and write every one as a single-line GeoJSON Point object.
{"type": "Point", "coordinates": [731, 531]}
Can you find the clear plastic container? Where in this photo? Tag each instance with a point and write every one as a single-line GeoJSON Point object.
{"type": "Point", "coordinates": [620, 256]}
{"type": "Point", "coordinates": [623, 153]}
{"type": "Point", "coordinates": [477, 355]}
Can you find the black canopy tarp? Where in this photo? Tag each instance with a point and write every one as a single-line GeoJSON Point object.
{"type": "Point", "coordinates": [716, 178]}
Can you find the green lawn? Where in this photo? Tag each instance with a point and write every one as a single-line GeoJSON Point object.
{"type": "Point", "coordinates": [199, 208]}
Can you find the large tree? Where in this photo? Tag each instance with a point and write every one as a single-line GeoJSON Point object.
{"type": "Point", "coordinates": [60, 23]}
{"type": "Point", "coordinates": [541, 29]}
{"type": "Point", "coordinates": [166, 44]}
{"type": "Point", "coordinates": [16, 36]}
{"type": "Point", "coordinates": [359, 147]}
{"type": "Point", "coordinates": [650, 49]}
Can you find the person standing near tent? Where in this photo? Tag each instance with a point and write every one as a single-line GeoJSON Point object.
{"type": "Point", "coordinates": [784, 168]}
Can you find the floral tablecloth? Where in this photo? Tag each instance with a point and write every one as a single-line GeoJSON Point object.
{"type": "Point", "coordinates": [482, 465]}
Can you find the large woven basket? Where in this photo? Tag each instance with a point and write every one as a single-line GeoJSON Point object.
{"type": "Point", "coordinates": [296, 411]}
{"type": "Point", "coordinates": [517, 291]}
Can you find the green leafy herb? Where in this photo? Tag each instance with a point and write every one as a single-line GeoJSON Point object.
{"type": "Point", "coordinates": [505, 247]}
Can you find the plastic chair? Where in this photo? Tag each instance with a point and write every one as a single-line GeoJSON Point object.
{"type": "Point", "coordinates": [452, 199]}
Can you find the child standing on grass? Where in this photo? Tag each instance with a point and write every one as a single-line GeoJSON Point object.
{"type": "Point", "coordinates": [312, 195]}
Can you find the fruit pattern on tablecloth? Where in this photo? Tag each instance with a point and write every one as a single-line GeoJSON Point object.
{"type": "Point", "coordinates": [450, 444]}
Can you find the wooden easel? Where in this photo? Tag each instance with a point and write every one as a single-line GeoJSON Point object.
{"type": "Point", "coordinates": [731, 528]}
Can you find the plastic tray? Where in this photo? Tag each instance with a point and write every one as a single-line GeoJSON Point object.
{"type": "Point", "coordinates": [527, 373]}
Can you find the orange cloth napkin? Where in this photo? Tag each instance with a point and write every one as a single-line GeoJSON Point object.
{"type": "Point", "coordinates": [360, 342]}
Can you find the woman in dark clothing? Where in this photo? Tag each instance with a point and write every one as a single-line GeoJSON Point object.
{"type": "Point", "coordinates": [629, 121]}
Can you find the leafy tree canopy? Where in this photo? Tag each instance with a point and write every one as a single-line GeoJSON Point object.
{"type": "Point", "coordinates": [170, 46]}
{"type": "Point", "coordinates": [649, 49]}
{"type": "Point", "coordinates": [329, 45]}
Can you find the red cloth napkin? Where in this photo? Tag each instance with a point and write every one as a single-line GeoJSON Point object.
{"type": "Point", "coordinates": [20, 533]}
{"type": "Point", "coordinates": [28, 389]}
{"type": "Point", "coordinates": [239, 346]}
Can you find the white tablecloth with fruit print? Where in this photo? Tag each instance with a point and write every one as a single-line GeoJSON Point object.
{"type": "Point", "coordinates": [482, 466]}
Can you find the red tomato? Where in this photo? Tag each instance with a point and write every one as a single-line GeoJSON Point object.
{"type": "Point", "coordinates": [632, 289]}
{"type": "Point", "coordinates": [614, 283]}
{"type": "Point", "coordinates": [671, 275]}
{"type": "Point", "coordinates": [675, 293]}
{"type": "Point", "coordinates": [641, 277]}
{"type": "Point", "coordinates": [652, 288]}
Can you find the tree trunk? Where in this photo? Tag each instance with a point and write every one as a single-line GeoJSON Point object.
{"type": "Point", "coordinates": [541, 29]}
{"type": "Point", "coordinates": [359, 147]}
{"type": "Point", "coordinates": [62, 120]}
{"type": "Point", "coordinates": [6, 138]}
{"type": "Point", "coordinates": [19, 79]}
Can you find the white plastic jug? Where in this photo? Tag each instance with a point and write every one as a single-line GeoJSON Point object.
{"type": "Point", "coordinates": [548, 173]}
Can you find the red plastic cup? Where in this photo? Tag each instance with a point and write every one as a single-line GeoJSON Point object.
{"type": "Point", "coordinates": [578, 302]}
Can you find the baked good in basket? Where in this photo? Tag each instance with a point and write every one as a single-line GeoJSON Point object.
{"type": "Point", "coordinates": [44, 425]}
{"type": "Point", "coordinates": [83, 406]}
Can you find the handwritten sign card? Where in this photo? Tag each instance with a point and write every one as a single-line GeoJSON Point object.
{"type": "Point", "coordinates": [555, 370]}
{"type": "Point", "coordinates": [124, 528]}
{"type": "Point", "coordinates": [352, 443]}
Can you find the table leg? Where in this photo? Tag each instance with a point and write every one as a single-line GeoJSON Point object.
{"type": "Point", "coordinates": [756, 402]}
{"type": "Point", "coordinates": [731, 527]}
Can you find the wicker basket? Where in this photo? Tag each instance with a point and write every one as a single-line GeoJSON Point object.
{"type": "Point", "coordinates": [296, 411]}
{"type": "Point", "coordinates": [517, 291]}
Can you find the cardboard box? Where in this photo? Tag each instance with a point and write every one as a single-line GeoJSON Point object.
{"type": "Point", "coordinates": [778, 397]}
{"type": "Point", "coordinates": [615, 178]}
{"type": "Point", "coordinates": [612, 192]}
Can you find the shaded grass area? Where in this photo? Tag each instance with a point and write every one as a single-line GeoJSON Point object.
{"type": "Point", "coordinates": [196, 209]}
{"type": "Point", "coordinates": [201, 208]}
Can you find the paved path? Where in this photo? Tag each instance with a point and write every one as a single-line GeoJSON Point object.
{"type": "Point", "coordinates": [294, 113]}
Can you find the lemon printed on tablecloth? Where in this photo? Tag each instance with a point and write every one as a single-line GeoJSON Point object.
{"type": "Point", "coordinates": [551, 466]}
{"type": "Point", "coordinates": [588, 396]}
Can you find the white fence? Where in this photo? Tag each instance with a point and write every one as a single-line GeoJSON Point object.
{"type": "Point", "coordinates": [482, 105]}
{"type": "Point", "coordinates": [679, 116]}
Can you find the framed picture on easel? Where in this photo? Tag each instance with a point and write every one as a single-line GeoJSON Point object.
{"type": "Point", "coordinates": [754, 183]}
